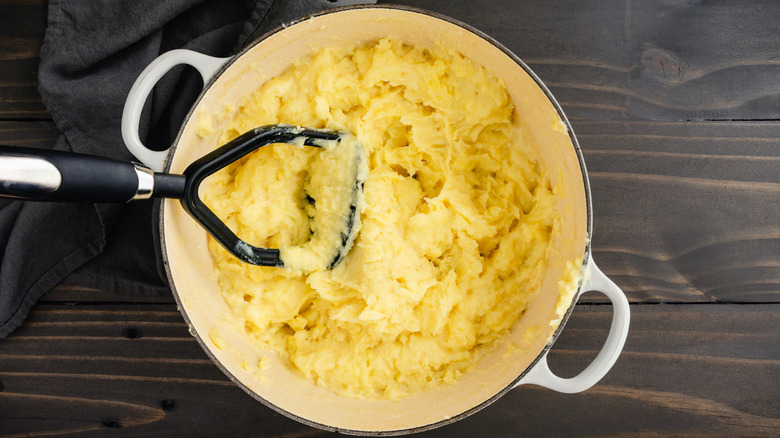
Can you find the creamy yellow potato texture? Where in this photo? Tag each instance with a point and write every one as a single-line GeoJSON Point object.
{"type": "Point", "coordinates": [457, 221]}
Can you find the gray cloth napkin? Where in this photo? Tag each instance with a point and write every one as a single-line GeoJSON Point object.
{"type": "Point", "coordinates": [91, 55]}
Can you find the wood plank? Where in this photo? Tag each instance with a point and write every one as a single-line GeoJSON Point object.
{"type": "Point", "coordinates": [686, 212]}
{"type": "Point", "coordinates": [77, 294]}
{"type": "Point", "coordinates": [617, 60]}
{"type": "Point", "coordinates": [622, 59]}
{"type": "Point", "coordinates": [41, 134]}
{"type": "Point", "coordinates": [686, 369]}
{"type": "Point", "coordinates": [22, 26]}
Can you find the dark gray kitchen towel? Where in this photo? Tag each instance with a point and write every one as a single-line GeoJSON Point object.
{"type": "Point", "coordinates": [92, 53]}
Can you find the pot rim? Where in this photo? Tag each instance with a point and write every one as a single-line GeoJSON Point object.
{"type": "Point", "coordinates": [585, 259]}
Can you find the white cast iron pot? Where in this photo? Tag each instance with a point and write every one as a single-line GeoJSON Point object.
{"type": "Point", "coordinates": [192, 273]}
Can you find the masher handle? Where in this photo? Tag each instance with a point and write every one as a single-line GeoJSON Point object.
{"type": "Point", "coordinates": [47, 175]}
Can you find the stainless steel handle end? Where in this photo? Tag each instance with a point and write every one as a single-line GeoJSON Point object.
{"type": "Point", "coordinates": [28, 177]}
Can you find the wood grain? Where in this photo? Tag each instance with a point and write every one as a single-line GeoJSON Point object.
{"type": "Point", "coordinates": [619, 59]}
{"type": "Point", "coordinates": [22, 26]}
{"type": "Point", "coordinates": [686, 212]}
{"type": "Point", "coordinates": [41, 134]}
{"type": "Point", "coordinates": [71, 369]}
{"type": "Point", "coordinates": [623, 59]}
{"type": "Point", "coordinates": [76, 294]}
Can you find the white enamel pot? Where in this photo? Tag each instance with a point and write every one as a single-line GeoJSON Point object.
{"type": "Point", "coordinates": [192, 273]}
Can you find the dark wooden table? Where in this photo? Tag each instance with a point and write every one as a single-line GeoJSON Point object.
{"type": "Point", "coordinates": [677, 106]}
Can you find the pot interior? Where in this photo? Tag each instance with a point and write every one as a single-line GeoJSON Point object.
{"type": "Point", "coordinates": [193, 275]}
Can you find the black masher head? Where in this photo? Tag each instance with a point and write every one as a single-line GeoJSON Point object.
{"type": "Point", "coordinates": [324, 254]}
{"type": "Point", "coordinates": [46, 175]}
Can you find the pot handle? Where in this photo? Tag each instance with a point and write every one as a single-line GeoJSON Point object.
{"type": "Point", "coordinates": [131, 116]}
{"type": "Point", "coordinates": [541, 375]}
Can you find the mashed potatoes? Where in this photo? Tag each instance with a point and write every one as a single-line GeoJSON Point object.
{"type": "Point", "coordinates": [457, 221]}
